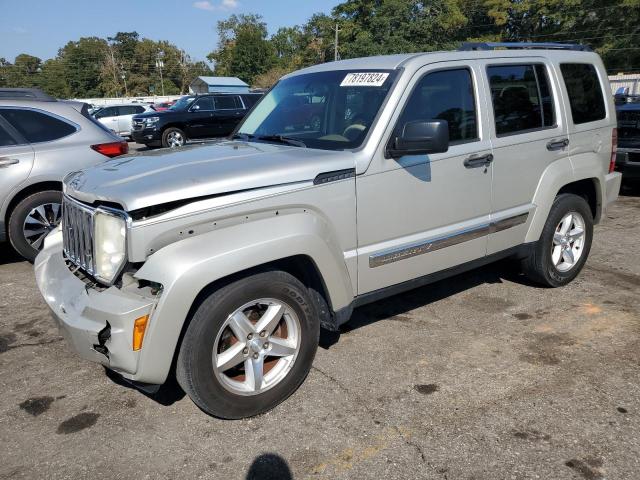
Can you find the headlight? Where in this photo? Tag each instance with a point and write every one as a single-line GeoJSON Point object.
{"type": "Point", "coordinates": [110, 233]}
{"type": "Point", "coordinates": [151, 120]}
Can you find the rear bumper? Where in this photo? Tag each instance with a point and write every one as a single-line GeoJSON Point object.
{"type": "Point", "coordinates": [612, 183]}
{"type": "Point", "coordinates": [81, 313]}
{"type": "Point", "coordinates": [628, 162]}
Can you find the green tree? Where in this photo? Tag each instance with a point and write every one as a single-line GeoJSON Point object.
{"type": "Point", "coordinates": [373, 27]}
{"type": "Point", "coordinates": [24, 71]}
{"type": "Point", "coordinates": [243, 49]}
{"type": "Point", "coordinates": [83, 60]}
{"type": "Point", "coordinates": [53, 79]}
{"type": "Point", "coordinates": [611, 27]}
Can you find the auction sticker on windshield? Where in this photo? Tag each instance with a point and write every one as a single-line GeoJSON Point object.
{"type": "Point", "coordinates": [364, 79]}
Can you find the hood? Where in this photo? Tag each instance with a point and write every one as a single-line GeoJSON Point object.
{"type": "Point", "coordinates": [153, 178]}
{"type": "Point", "coordinates": [155, 113]}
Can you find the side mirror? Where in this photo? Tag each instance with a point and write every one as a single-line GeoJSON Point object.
{"type": "Point", "coordinates": [195, 108]}
{"type": "Point", "coordinates": [420, 137]}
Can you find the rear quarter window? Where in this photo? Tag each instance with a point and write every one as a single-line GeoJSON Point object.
{"type": "Point", "coordinates": [585, 92]}
{"type": "Point", "coordinates": [37, 126]}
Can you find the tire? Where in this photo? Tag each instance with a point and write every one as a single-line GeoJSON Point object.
{"type": "Point", "coordinates": [544, 265]}
{"type": "Point", "coordinates": [231, 393]}
{"type": "Point", "coordinates": [168, 142]}
{"type": "Point", "coordinates": [43, 216]}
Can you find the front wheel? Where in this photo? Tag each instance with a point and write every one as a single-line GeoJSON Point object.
{"type": "Point", "coordinates": [564, 244]}
{"type": "Point", "coordinates": [173, 137]}
{"type": "Point", "coordinates": [249, 345]}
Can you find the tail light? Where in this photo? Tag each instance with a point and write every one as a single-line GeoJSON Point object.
{"type": "Point", "coordinates": [614, 149]}
{"type": "Point", "coordinates": [112, 149]}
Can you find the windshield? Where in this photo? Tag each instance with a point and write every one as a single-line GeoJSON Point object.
{"type": "Point", "coordinates": [327, 110]}
{"type": "Point", "coordinates": [182, 104]}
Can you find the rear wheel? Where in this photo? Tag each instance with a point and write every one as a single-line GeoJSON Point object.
{"type": "Point", "coordinates": [173, 137]}
{"type": "Point", "coordinates": [249, 345]}
{"type": "Point", "coordinates": [32, 220]}
{"type": "Point", "coordinates": [564, 245]}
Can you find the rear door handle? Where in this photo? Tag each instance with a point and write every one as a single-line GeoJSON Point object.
{"type": "Point", "coordinates": [558, 144]}
{"type": "Point", "coordinates": [5, 162]}
{"type": "Point", "coordinates": [475, 161]}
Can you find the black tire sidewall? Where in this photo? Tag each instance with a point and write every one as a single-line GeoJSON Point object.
{"type": "Point", "coordinates": [195, 357]}
{"type": "Point", "coordinates": [18, 216]}
{"type": "Point", "coordinates": [166, 133]}
{"type": "Point", "coordinates": [562, 205]}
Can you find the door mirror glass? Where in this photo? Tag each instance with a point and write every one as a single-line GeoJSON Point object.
{"type": "Point", "coordinates": [420, 137]}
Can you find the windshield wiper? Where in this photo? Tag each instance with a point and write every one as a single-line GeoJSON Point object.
{"type": "Point", "coordinates": [242, 136]}
{"type": "Point", "coordinates": [282, 139]}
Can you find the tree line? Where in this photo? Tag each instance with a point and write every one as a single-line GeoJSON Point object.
{"type": "Point", "coordinates": [127, 64]}
{"type": "Point", "coordinates": [380, 27]}
{"type": "Point", "coordinates": [122, 65]}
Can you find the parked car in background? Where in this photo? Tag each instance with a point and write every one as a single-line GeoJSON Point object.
{"type": "Point", "coordinates": [192, 117]}
{"type": "Point", "coordinates": [41, 140]}
{"type": "Point", "coordinates": [623, 96]}
{"type": "Point", "coordinates": [628, 155]}
{"type": "Point", "coordinates": [161, 107]}
{"type": "Point", "coordinates": [118, 117]}
{"type": "Point", "coordinates": [221, 262]}
{"type": "Point", "coordinates": [94, 108]}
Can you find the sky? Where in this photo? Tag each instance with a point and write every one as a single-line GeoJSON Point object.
{"type": "Point", "coordinates": [41, 27]}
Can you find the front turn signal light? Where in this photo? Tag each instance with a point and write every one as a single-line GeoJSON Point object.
{"type": "Point", "coordinates": [139, 327]}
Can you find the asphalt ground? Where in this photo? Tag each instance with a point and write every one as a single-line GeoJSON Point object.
{"type": "Point", "coordinates": [482, 376]}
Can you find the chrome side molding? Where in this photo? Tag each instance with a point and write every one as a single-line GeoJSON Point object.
{"type": "Point", "coordinates": [395, 254]}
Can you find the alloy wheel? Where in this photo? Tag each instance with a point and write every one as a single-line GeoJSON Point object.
{"type": "Point", "coordinates": [39, 222]}
{"type": "Point", "coordinates": [568, 242]}
{"type": "Point", "coordinates": [175, 139]}
{"type": "Point", "coordinates": [257, 346]}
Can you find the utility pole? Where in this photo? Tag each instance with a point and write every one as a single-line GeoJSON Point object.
{"type": "Point", "coordinates": [114, 68]}
{"type": "Point", "coordinates": [335, 52]}
{"type": "Point", "coordinates": [123, 75]}
{"type": "Point", "coordinates": [159, 65]}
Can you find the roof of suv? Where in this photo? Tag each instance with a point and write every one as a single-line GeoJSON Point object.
{"type": "Point", "coordinates": [471, 51]}
{"type": "Point", "coordinates": [25, 94]}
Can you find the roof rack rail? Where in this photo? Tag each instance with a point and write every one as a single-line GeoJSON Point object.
{"type": "Point", "coordinates": [467, 46]}
{"type": "Point", "coordinates": [25, 94]}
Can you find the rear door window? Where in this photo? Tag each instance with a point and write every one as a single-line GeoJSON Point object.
{"type": "Point", "coordinates": [522, 99]}
{"type": "Point", "coordinates": [227, 102]}
{"type": "Point", "coordinates": [6, 139]}
{"type": "Point", "coordinates": [127, 110]}
{"type": "Point", "coordinates": [37, 126]}
{"type": "Point", "coordinates": [585, 92]}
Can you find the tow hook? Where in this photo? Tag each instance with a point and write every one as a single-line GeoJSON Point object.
{"type": "Point", "coordinates": [103, 336]}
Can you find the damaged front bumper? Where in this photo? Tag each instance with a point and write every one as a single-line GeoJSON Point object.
{"type": "Point", "coordinates": [97, 324]}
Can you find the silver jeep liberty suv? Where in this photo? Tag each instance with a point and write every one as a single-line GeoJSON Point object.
{"type": "Point", "coordinates": [223, 261]}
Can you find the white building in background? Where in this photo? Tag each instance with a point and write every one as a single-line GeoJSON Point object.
{"type": "Point", "coordinates": [630, 81]}
{"type": "Point", "coordinates": [218, 85]}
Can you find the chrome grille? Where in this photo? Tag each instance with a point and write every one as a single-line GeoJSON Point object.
{"type": "Point", "coordinates": [137, 124]}
{"type": "Point", "coordinates": [77, 233]}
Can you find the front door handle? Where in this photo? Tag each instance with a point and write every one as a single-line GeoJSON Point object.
{"type": "Point", "coordinates": [5, 162]}
{"type": "Point", "coordinates": [558, 144]}
{"type": "Point", "coordinates": [476, 161]}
